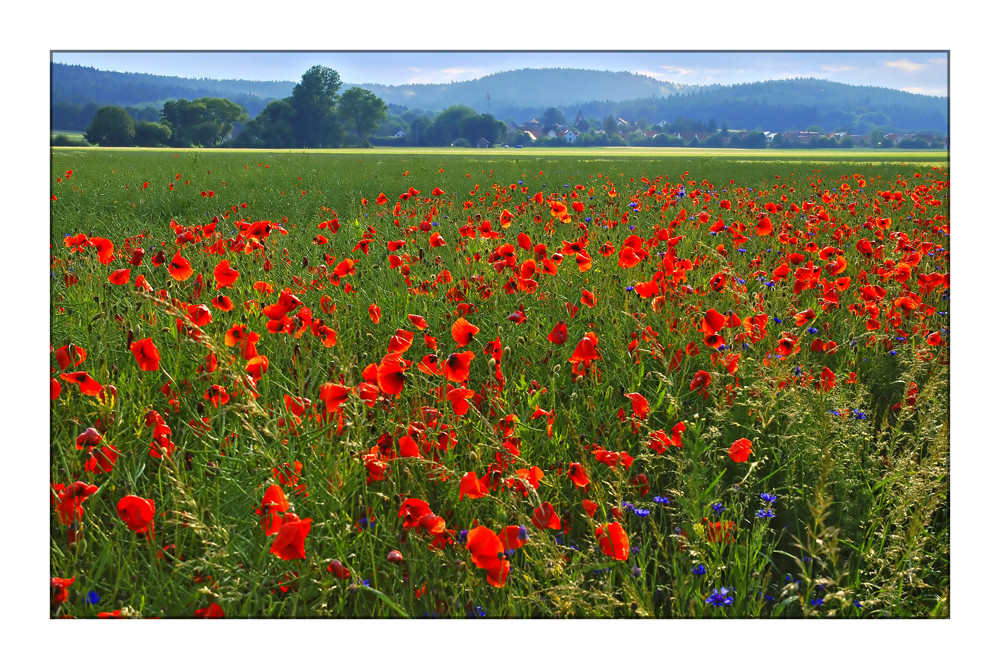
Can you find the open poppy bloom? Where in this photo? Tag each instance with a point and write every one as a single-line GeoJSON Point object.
{"type": "Point", "coordinates": [180, 267]}
{"type": "Point", "coordinates": [137, 514]}
{"type": "Point", "coordinates": [119, 277]}
{"type": "Point", "coordinates": [224, 274]}
{"type": "Point", "coordinates": [459, 398]}
{"type": "Point", "coordinates": [390, 375]}
{"type": "Point", "coordinates": [613, 540]}
{"type": "Point", "coordinates": [488, 553]}
{"type": "Point", "coordinates": [71, 499]}
{"type": "Point", "coordinates": [146, 354]}
{"type": "Point", "coordinates": [578, 475]}
{"type": "Point", "coordinates": [740, 450]}
{"type": "Point", "coordinates": [456, 366]}
{"type": "Point", "coordinates": [88, 386]}
{"type": "Point", "coordinates": [70, 354]}
{"type": "Point", "coordinates": [57, 590]}
{"type": "Point", "coordinates": [471, 487]}
{"type": "Point", "coordinates": [545, 517]}
{"type": "Point", "coordinates": [462, 331]}
{"type": "Point", "coordinates": [640, 405]}
{"type": "Point", "coordinates": [289, 544]}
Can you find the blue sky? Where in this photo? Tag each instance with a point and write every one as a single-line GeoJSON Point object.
{"type": "Point", "coordinates": [916, 72]}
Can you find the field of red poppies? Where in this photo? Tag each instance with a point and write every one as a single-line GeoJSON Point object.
{"type": "Point", "coordinates": [308, 385]}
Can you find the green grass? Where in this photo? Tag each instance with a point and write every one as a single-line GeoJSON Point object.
{"type": "Point", "coordinates": [861, 513]}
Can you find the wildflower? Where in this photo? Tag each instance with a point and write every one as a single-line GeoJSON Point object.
{"type": "Point", "coordinates": [740, 450]}
{"type": "Point", "coordinates": [289, 544]}
{"type": "Point", "coordinates": [137, 513]}
{"type": "Point", "coordinates": [765, 513]}
{"type": "Point", "coordinates": [768, 497]}
{"type": "Point", "coordinates": [613, 540]}
{"type": "Point", "coordinates": [699, 570]}
{"type": "Point", "coordinates": [718, 508]}
{"type": "Point", "coordinates": [719, 597]}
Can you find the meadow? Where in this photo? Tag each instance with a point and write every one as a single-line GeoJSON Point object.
{"type": "Point", "coordinates": [499, 384]}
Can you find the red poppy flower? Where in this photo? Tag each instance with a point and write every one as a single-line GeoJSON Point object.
{"type": "Point", "coordinates": [577, 475]}
{"type": "Point", "coordinates": [390, 375]}
{"type": "Point", "coordinates": [57, 590]}
{"type": "Point", "coordinates": [586, 349]}
{"type": "Point", "coordinates": [559, 334]}
{"type": "Point", "coordinates": [459, 398]}
{"type": "Point", "coordinates": [401, 341]}
{"type": "Point", "coordinates": [640, 405]}
{"type": "Point", "coordinates": [88, 386]}
{"type": "Point", "coordinates": [105, 249]}
{"type": "Point", "coordinates": [701, 379]}
{"type": "Point", "coordinates": [337, 568]}
{"type": "Point", "coordinates": [613, 540]}
{"type": "Point", "coordinates": [462, 331]}
{"type": "Point", "coordinates": [68, 354]}
{"type": "Point", "coordinates": [137, 514]}
{"type": "Point", "coordinates": [334, 395]}
{"type": "Point", "coordinates": [289, 543]}
{"type": "Point", "coordinates": [589, 507]}
{"type": "Point", "coordinates": [456, 366]}
{"type": "Point", "coordinates": [224, 274]}
{"type": "Point", "coordinates": [487, 553]}
{"type": "Point", "coordinates": [418, 321]}
{"type": "Point", "coordinates": [213, 611]}
{"type": "Point", "coordinates": [546, 517]}
{"type": "Point", "coordinates": [222, 303]}
{"type": "Point", "coordinates": [217, 395]}
{"type": "Point", "coordinates": [712, 322]}
{"type": "Point", "coordinates": [71, 499]}
{"type": "Point", "coordinates": [740, 450]}
{"type": "Point", "coordinates": [146, 354]}
{"type": "Point", "coordinates": [513, 537]}
{"type": "Point", "coordinates": [180, 267]}
{"type": "Point", "coordinates": [119, 277]}
{"type": "Point", "coordinates": [471, 487]}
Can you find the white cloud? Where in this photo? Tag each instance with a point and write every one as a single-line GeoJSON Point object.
{"type": "Point", "coordinates": [905, 65]}
{"type": "Point", "coordinates": [837, 68]}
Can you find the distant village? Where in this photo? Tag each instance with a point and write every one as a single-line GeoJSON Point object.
{"type": "Point", "coordinates": [657, 134]}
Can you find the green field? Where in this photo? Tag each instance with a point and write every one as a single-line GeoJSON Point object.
{"type": "Point", "coordinates": [747, 416]}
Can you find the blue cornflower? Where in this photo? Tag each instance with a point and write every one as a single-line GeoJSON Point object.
{"type": "Point", "coordinates": [661, 500]}
{"type": "Point", "coordinates": [93, 597]}
{"type": "Point", "coordinates": [463, 537]}
{"type": "Point", "coordinates": [699, 570]}
{"type": "Point", "coordinates": [629, 288]}
{"type": "Point", "coordinates": [777, 320]}
{"type": "Point", "coordinates": [769, 497]}
{"type": "Point", "coordinates": [859, 415]}
{"type": "Point", "coordinates": [718, 508]}
{"type": "Point", "coordinates": [522, 533]}
{"type": "Point", "coordinates": [812, 331]}
{"type": "Point", "coordinates": [742, 250]}
{"type": "Point", "coordinates": [476, 612]}
{"type": "Point", "coordinates": [719, 597]}
{"type": "Point", "coordinates": [817, 602]}
{"type": "Point", "coordinates": [642, 513]}
{"type": "Point", "coordinates": [892, 352]}
{"type": "Point", "coordinates": [636, 571]}
{"type": "Point", "coordinates": [765, 513]}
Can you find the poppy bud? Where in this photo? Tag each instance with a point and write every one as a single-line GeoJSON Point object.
{"type": "Point", "coordinates": [395, 557]}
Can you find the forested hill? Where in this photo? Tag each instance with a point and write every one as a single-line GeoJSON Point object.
{"type": "Point", "coordinates": [527, 89]}
{"type": "Point", "coordinates": [76, 84]}
{"type": "Point", "coordinates": [520, 95]}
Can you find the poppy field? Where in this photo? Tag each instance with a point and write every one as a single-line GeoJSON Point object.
{"type": "Point", "coordinates": [354, 385]}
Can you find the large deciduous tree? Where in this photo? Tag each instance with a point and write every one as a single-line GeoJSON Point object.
{"type": "Point", "coordinates": [314, 100]}
{"type": "Point", "coordinates": [112, 126]}
{"type": "Point", "coordinates": [362, 111]}
{"type": "Point", "coordinates": [201, 122]}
